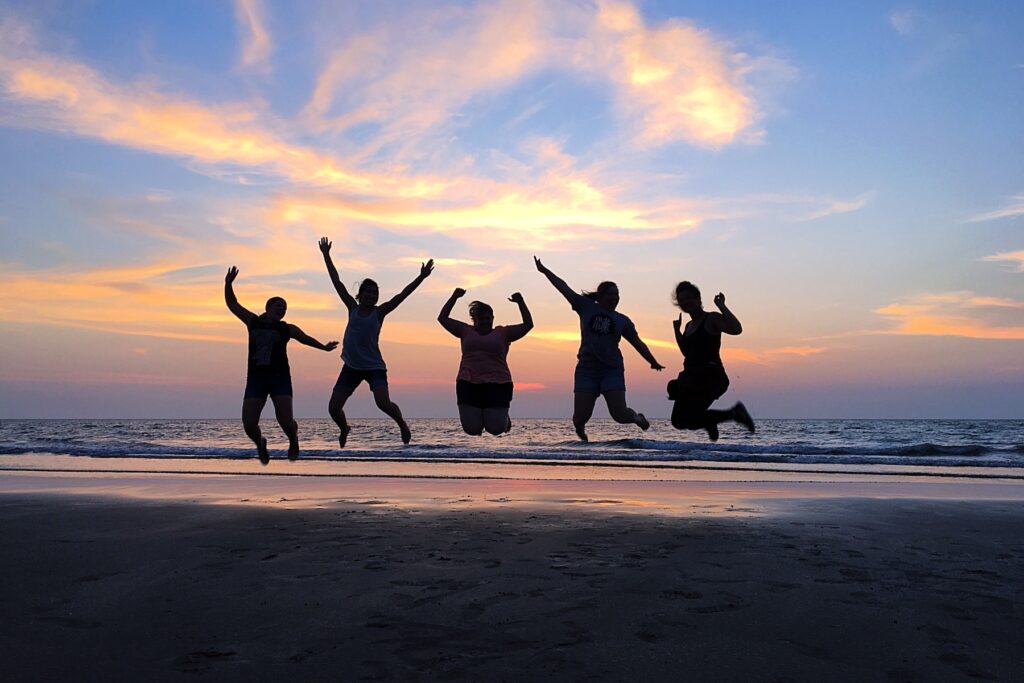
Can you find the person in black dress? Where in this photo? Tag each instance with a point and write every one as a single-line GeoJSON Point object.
{"type": "Point", "coordinates": [703, 379]}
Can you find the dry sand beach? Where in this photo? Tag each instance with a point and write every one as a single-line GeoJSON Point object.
{"type": "Point", "coordinates": [185, 577]}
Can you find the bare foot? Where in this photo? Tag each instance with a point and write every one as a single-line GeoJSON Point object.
{"type": "Point", "coordinates": [740, 414]}
{"type": "Point", "coordinates": [581, 431]}
{"type": "Point", "coordinates": [712, 432]}
{"type": "Point", "coordinates": [293, 450]}
{"type": "Point", "coordinates": [406, 434]}
{"type": "Point", "coordinates": [262, 452]}
{"type": "Point", "coordinates": [642, 422]}
{"type": "Point", "coordinates": [343, 436]}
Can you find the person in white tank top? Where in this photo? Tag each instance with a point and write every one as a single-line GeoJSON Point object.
{"type": "Point", "coordinates": [483, 386]}
{"type": "Point", "coordinates": [360, 346]}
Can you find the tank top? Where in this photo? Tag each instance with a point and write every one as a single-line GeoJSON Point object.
{"type": "Point", "coordinates": [360, 348]}
{"type": "Point", "coordinates": [701, 347]}
{"type": "Point", "coordinates": [484, 357]}
{"type": "Point", "coordinates": [267, 346]}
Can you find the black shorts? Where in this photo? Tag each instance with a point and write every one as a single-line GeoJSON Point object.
{"type": "Point", "coordinates": [350, 378]}
{"type": "Point", "coordinates": [489, 395]}
{"type": "Point", "coordinates": [261, 386]}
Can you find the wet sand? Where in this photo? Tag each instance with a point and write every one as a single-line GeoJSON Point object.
{"type": "Point", "coordinates": [576, 581]}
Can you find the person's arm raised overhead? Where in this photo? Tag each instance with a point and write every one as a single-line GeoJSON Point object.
{"type": "Point", "coordinates": [455, 327]}
{"type": "Point", "coordinates": [241, 312]}
{"type": "Point", "coordinates": [303, 338]}
{"type": "Point", "coordinates": [425, 270]}
{"type": "Point", "coordinates": [558, 283]}
{"type": "Point", "coordinates": [339, 286]}
{"type": "Point", "coordinates": [515, 332]}
{"type": "Point", "coordinates": [633, 338]}
{"type": "Point", "coordinates": [726, 322]}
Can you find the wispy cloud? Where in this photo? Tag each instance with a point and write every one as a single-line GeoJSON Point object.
{"type": "Point", "coordinates": [256, 42]}
{"type": "Point", "coordinates": [1014, 257]}
{"type": "Point", "coordinates": [956, 314]}
{"type": "Point", "coordinates": [903, 21]}
{"type": "Point", "coordinates": [1013, 207]}
{"type": "Point", "coordinates": [838, 207]}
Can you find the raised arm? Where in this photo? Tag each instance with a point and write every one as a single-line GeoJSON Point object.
{"type": "Point", "coordinates": [456, 327]}
{"type": "Point", "coordinates": [515, 332]}
{"type": "Point", "coordinates": [633, 338]}
{"type": "Point", "coordinates": [558, 283]}
{"type": "Point", "coordinates": [240, 311]}
{"type": "Point", "coordinates": [339, 286]}
{"type": "Point", "coordinates": [726, 322]}
{"type": "Point", "coordinates": [425, 270]}
{"type": "Point", "coordinates": [303, 338]}
{"type": "Point", "coordinates": [677, 327]}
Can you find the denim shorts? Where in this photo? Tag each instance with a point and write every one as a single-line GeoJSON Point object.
{"type": "Point", "coordinates": [261, 386]}
{"type": "Point", "coordinates": [350, 378]}
{"type": "Point", "coordinates": [593, 377]}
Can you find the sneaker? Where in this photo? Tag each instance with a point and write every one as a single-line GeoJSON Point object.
{"type": "Point", "coordinates": [262, 452]}
{"type": "Point", "coordinates": [642, 422]}
{"type": "Point", "coordinates": [343, 436]}
{"type": "Point", "coordinates": [740, 414]}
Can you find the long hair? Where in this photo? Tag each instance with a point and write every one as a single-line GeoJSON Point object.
{"type": "Point", "coordinates": [601, 289]}
{"type": "Point", "coordinates": [684, 286]}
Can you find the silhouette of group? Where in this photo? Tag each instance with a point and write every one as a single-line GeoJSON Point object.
{"type": "Point", "coordinates": [484, 386]}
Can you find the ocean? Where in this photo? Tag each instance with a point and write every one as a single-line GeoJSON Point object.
{"type": "Point", "coordinates": [870, 446]}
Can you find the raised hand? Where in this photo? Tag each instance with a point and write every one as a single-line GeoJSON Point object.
{"type": "Point", "coordinates": [325, 245]}
{"type": "Point", "coordinates": [657, 366]}
{"type": "Point", "coordinates": [458, 293]}
{"type": "Point", "coordinates": [426, 268]}
{"type": "Point", "coordinates": [231, 275]}
{"type": "Point", "coordinates": [677, 324]}
{"type": "Point", "coordinates": [330, 346]}
{"type": "Point", "coordinates": [720, 300]}
{"type": "Point", "coordinates": [540, 266]}
{"type": "Point", "coordinates": [516, 298]}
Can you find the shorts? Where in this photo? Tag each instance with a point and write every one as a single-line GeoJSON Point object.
{"type": "Point", "coordinates": [693, 392]}
{"type": "Point", "coordinates": [487, 395]}
{"type": "Point", "coordinates": [593, 377]}
{"type": "Point", "coordinates": [350, 378]}
{"type": "Point", "coordinates": [261, 386]}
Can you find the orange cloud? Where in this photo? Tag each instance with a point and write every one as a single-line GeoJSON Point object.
{"type": "Point", "coordinates": [957, 314]}
{"type": "Point", "coordinates": [1013, 257]}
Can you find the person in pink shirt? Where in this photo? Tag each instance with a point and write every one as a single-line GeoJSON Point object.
{"type": "Point", "coordinates": [483, 387]}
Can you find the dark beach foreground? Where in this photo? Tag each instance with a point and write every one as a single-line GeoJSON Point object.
{"type": "Point", "coordinates": [809, 589]}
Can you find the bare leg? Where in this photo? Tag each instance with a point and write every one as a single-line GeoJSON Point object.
{"type": "Point", "coordinates": [582, 409]}
{"type": "Point", "coordinates": [286, 418]}
{"type": "Point", "coordinates": [622, 413]}
{"type": "Point", "coordinates": [472, 420]}
{"type": "Point", "coordinates": [496, 420]}
{"type": "Point", "coordinates": [336, 409]}
{"type": "Point", "coordinates": [383, 401]}
{"type": "Point", "coordinates": [251, 410]}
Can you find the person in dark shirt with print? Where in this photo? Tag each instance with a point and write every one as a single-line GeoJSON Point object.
{"type": "Point", "coordinates": [599, 368]}
{"type": "Point", "coordinates": [703, 379]}
{"type": "Point", "coordinates": [268, 373]}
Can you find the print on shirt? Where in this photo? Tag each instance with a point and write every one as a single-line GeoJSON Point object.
{"type": "Point", "coordinates": [601, 324]}
{"type": "Point", "coordinates": [262, 344]}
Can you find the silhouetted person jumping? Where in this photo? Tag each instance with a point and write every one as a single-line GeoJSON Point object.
{"type": "Point", "coordinates": [483, 387]}
{"type": "Point", "coordinates": [360, 349]}
{"type": "Point", "coordinates": [268, 373]}
{"type": "Point", "coordinates": [703, 379]}
{"type": "Point", "coordinates": [599, 367]}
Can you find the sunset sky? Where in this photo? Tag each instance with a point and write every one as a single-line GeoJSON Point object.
{"type": "Point", "coordinates": [849, 174]}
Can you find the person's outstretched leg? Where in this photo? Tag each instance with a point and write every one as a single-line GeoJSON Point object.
{"type": "Point", "coordinates": [472, 420]}
{"type": "Point", "coordinates": [336, 409]}
{"type": "Point", "coordinates": [252, 408]}
{"type": "Point", "coordinates": [740, 414]}
{"type": "Point", "coordinates": [286, 418]}
{"type": "Point", "coordinates": [383, 401]}
{"type": "Point", "coordinates": [622, 413]}
{"type": "Point", "coordinates": [496, 420]}
{"type": "Point", "coordinates": [583, 408]}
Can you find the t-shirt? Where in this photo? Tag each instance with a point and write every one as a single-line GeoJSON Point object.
{"type": "Point", "coordinates": [267, 346]}
{"type": "Point", "coordinates": [484, 356]}
{"type": "Point", "coordinates": [360, 348]}
{"type": "Point", "coordinates": [600, 332]}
